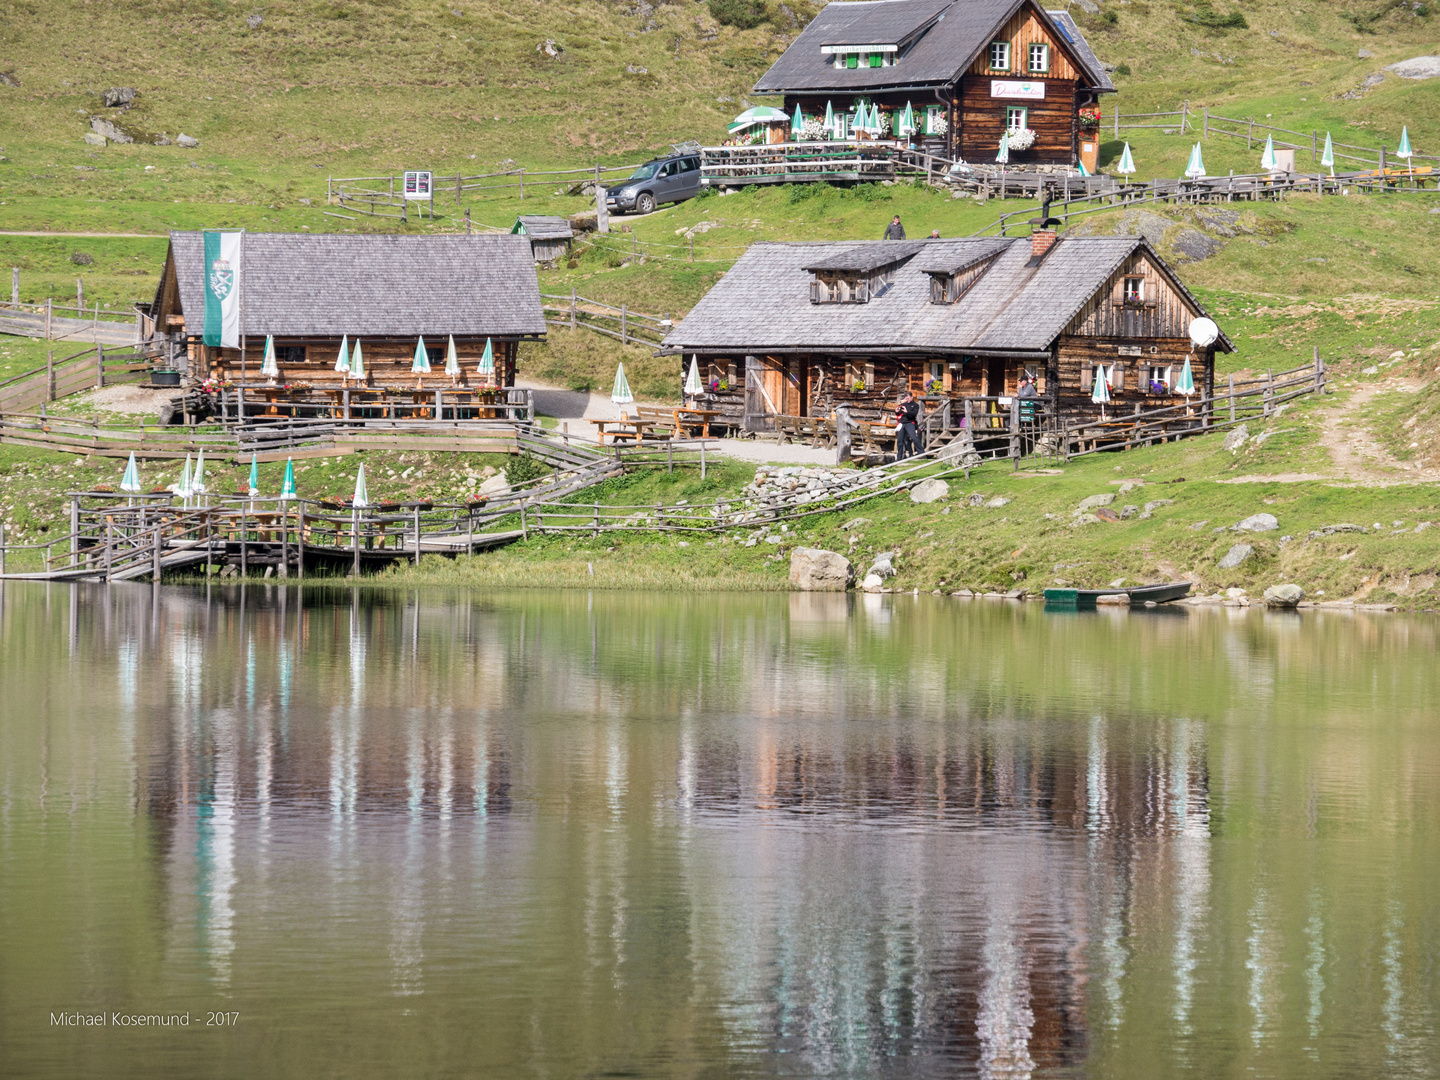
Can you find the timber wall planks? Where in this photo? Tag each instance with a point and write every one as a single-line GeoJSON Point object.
{"type": "Point", "coordinates": [1022, 31]}
{"type": "Point", "coordinates": [982, 121]}
{"type": "Point", "coordinates": [1165, 313]}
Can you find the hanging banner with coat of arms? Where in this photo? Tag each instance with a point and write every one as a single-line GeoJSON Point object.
{"type": "Point", "coordinates": [222, 288]}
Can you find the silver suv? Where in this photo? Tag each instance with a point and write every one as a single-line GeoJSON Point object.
{"type": "Point", "coordinates": [664, 180]}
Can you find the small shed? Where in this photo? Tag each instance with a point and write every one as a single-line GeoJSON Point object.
{"type": "Point", "coordinates": [549, 236]}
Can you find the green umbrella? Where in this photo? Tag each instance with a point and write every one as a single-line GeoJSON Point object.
{"type": "Point", "coordinates": [1327, 159]}
{"type": "Point", "coordinates": [693, 385]}
{"type": "Point", "coordinates": [1186, 383]}
{"type": "Point", "coordinates": [452, 360]}
{"type": "Point", "coordinates": [621, 393]}
{"type": "Point", "coordinates": [1267, 159]}
{"type": "Point", "coordinates": [797, 122]}
{"type": "Point", "coordinates": [1196, 169]}
{"type": "Point", "coordinates": [357, 362]}
{"type": "Point", "coordinates": [287, 489]}
{"type": "Point", "coordinates": [1403, 150]}
{"type": "Point", "coordinates": [1101, 393]}
{"type": "Point", "coordinates": [487, 361]}
{"type": "Point", "coordinates": [758, 116]}
{"type": "Point", "coordinates": [829, 120]}
{"type": "Point", "coordinates": [1127, 163]}
{"type": "Point", "coordinates": [907, 122]}
{"type": "Point", "coordinates": [362, 493]}
{"type": "Point", "coordinates": [1084, 171]}
{"type": "Point", "coordinates": [342, 362]}
{"type": "Point", "coordinates": [182, 486]}
{"type": "Point", "coordinates": [421, 364]}
{"type": "Point", "coordinates": [197, 485]}
{"type": "Point", "coordinates": [254, 476]}
{"type": "Point", "coordinates": [131, 480]}
{"type": "Point", "coordinates": [1004, 155]}
{"type": "Point", "coordinates": [269, 367]}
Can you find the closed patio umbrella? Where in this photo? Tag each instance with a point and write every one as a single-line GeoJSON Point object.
{"type": "Point", "coordinates": [421, 364]}
{"type": "Point", "coordinates": [1127, 162]}
{"type": "Point", "coordinates": [829, 120]}
{"type": "Point", "coordinates": [362, 493]}
{"type": "Point", "coordinates": [342, 361]}
{"type": "Point", "coordinates": [197, 485]}
{"type": "Point", "coordinates": [1267, 159]}
{"type": "Point", "coordinates": [797, 122]}
{"type": "Point", "coordinates": [452, 362]}
{"type": "Point", "coordinates": [1196, 169]}
{"type": "Point", "coordinates": [1186, 383]}
{"type": "Point", "coordinates": [269, 367]}
{"type": "Point", "coordinates": [907, 122]}
{"type": "Point", "coordinates": [181, 486]}
{"type": "Point", "coordinates": [1327, 159]}
{"type": "Point", "coordinates": [487, 363]}
{"type": "Point", "coordinates": [1101, 394]}
{"type": "Point", "coordinates": [287, 490]}
{"type": "Point", "coordinates": [130, 482]}
{"type": "Point", "coordinates": [693, 386]}
{"type": "Point", "coordinates": [357, 362]}
{"type": "Point", "coordinates": [254, 476]}
{"type": "Point", "coordinates": [621, 395]}
{"type": "Point", "coordinates": [1403, 150]}
{"type": "Point", "coordinates": [1004, 155]}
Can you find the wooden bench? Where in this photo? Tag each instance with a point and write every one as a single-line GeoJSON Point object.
{"type": "Point", "coordinates": [815, 430]}
{"type": "Point", "coordinates": [658, 419]}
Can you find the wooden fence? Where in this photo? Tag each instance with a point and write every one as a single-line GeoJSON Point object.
{"type": "Point", "coordinates": [88, 324]}
{"type": "Point", "coordinates": [90, 369]}
{"type": "Point", "coordinates": [378, 195]}
{"type": "Point", "coordinates": [620, 322]}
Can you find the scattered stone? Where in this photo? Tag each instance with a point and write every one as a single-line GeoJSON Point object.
{"type": "Point", "coordinates": [818, 570]}
{"type": "Point", "coordinates": [1365, 54]}
{"type": "Point", "coordinates": [1106, 514]}
{"type": "Point", "coordinates": [636, 69]}
{"type": "Point", "coordinates": [1090, 502]}
{"type": "Point", "coordinates": [113, 132]}
{"type": "Point", "coordinates": [1236, 438]}
{"type": "Point", "coordinates": [1235, 556]}
{"type": "Point", "coordinates": [161, 140]}
{"type": "Point", "coordinates": [1236, 594]}
{"type": "Point", "coordinates": [1118, 583]}
{"type": "Point", "coordinates": [1088, 6]}
{"type": "Point", "coordinates": [550, 47]}
{"type": "Point", "coordinates": [1129, 486]}
{"type": "Point", "coordinates": [187, 141]}
{"type": "Point", "coordinates": [872, 583]}
{"type": "Point", "coordinates": [1256, 523]}
{"type": "Point", "coordinates": [254, 21]}
{"type": "Point", "coordinates": [1284, 596]}
{"type": "Point", "coordinates": [929, 491]}
{"type": "Point", "coordinates": [79, 258]}
{"type": "Point", "coordinates": [10, 79]}
{"type": "Point", "coordinates": [774, 538]}
{"type": "Point", "coordinates": [1128, 512]}
{"type": "Point", "coordinates": [962, 449]}
{"type": "Point", "coordinates": [94, 138]}
{"type": "Point", "coordinates": [975, 500]}
{"type": "Point", "coordinates": [1155, 504]}
{"type": "Point", "coordinates": [854, 523]}
{"type": "Point", "coordinates": [1373, 369]}
{"type": "Point", "coordinates": [1085, 519]}
{"type": "Point", "coordinates": [1418, 67]}
{"type": "Point", "coordinates": [997, 502]}
{"type": "Point", "coordinates": [1199, 525]}
{"type": "Point", "coordinates": [117, 96]}
{"type": "Point", "coordinates": [882, 566]}
{"type": "Point", "coordinates": [1330, 530]}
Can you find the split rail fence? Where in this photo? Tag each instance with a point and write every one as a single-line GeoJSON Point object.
{"type": "Point", "coordinates": [89, 369]}
{"type": "Point", "coordinates": [620, 322]}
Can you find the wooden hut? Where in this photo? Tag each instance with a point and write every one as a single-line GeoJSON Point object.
{"type": "Point", "coordinates": [797, 329]}
{"type": "Point", "coordinates": [969, 70]}
{"type": "Point", "coordinates": [549, 236]}
{"type": "Point", "coordinates": [310, 292]}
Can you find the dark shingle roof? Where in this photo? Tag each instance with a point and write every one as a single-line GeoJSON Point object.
{"type": "Point", "coordinates": [374, 286]}
{"type": "Point", "coordinates": [866, 257]}
{"type": "Point", "coordinates": [543, 227]}
{"type": "Point", "coordinates": [940, 55]}
{"type": "Point", "coordinates": [1013, 307]}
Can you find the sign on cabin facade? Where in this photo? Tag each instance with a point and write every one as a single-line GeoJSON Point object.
{"type": "Point", "coordinates": [857, 323]}
{"type": "Point", "coordinates": [969, 71]}
{"type": "Point", "coordinates": [310, 292]}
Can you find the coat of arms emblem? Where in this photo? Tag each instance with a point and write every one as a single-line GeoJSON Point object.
{"type": "Point", "coordinates": [222, 278]}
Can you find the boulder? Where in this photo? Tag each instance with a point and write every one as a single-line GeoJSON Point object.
{"type": "Point", "coordinates": [187, 141]}
{"type": "Point", "coordinates": [1192, 245]}
{"type": "Point", "coordinates": [1155, 504]}
{"type": "Point", "coordinates": [1330, 530]}
{"type": "Point", "coordinates": [254, 21]}
{"type": "Point", "coordinates": [94, 138]}
{"type": "Point", "coordinates": [1284, 596]}
{"type": "Point", "coordinates": [1235, 556]}
{"type": "Point", "coordinates": [496, 485]}
{"type": "Point", "coordinates": [881, 566]}
{"type": "Point", "coordinates": [1128, 512]}
{"type": "Point", "coordinates": [1236, 439]}
{"type": "Point", "coordinates": [872, 583]}
{"type": "Point", "coordinates": [817, 570]}
{"type": "Point", "coordinates": [997, 502]}
{"type": "Point", "coordinates": [117, 96]}
{"type": "Point", "coordinates": [1090, 502]}
{"type": "Point", "coordinates": [1365, 54]}
{"type": "Point", "coordinates": [1256, 523]}
{"type": "Point", "coordinates": [1106, 514]}
{"type": "Point", "coordinates": [549, 47]}
{"type": "Point", "coordinates": [976, 499]}
{"type": "Point", "coordinates": [929, 491]}
{"type": "Point", "coordinates": [100, 126]}
{"type": "Point", "coordinates": [1417, 67]}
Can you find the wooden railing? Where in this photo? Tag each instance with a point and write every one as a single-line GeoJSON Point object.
{"type": "Point", "coordinates": [88, 369]}
{"type": "Point", "coordinates": [617, 322]}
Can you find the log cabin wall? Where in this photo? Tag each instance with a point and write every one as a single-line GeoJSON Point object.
{"type": "Point", "coordinates": [387, 360]}
{"type": "Point", "coordinates": [983, 121]}
{"type": "Point", "coordinates": [1161, 310]}
{"type": "Point", "coordinates": [1022, 31]}
{"type": "Point", "coordinates": [1079, 357]}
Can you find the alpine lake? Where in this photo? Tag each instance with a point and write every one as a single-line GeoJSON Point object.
{"type": "Point", "coordinates": [366, 833]}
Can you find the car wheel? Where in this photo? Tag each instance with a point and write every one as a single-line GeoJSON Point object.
{"type": "Point", "coordinates": [645, 203]}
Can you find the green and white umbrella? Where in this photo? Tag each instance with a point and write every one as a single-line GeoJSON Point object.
{"type": "Point", "coordinates": [1327, 159]}
{"type": "Point", "coordinates": [342, 362]}
{"type": "Point", "coordinates": [268, 367]}
{"type": "Point", "coordinates": [197, 485]}
{"type": "Point", "coordinates": [797, 122]}
{"type": "Point", "coordinates": [1084, 171]}
{"type": "Point", "coordinates": [907, 122]}
{"type": "Point", "coordinates": [1196, 169]}
{"type": "Point", "coordinates": [1267, 159]}
{"type": "Point", "coordinates": [182, 485]}
{"type": "Point", "coordinates": [1127, 162]}
{"type": "Point", "coordinates": [357, 362]}
{"type": "Point", "coordinates": [452, 360]}
{"type": "Point", "coordinates": [1403, 150]}
{"type": "Point", "coordinates": [362, 493]}
{"type": "Point", "coordinates": [1004, 155]}
{"type": "Point", "coordinates": [1101, 394]}
{"type": "Point", "coordinates": [758, 116]}
{"type": "Point", "coordinates": [829, 119]}
{"type": "Point", "coordinates": [130, 482]}
{"type": "Point", "coordinates": [693, 385]}
{"type": "Point", "coordinates": [421, 364]}
{"type": "Point", "coordinates": [874, 118]}
{"type": "Point", "coordinates": [254, 476]}
{"type": "Point", "coordinates": [1186, 383]}
{"type": "Point", "coordinates": [487, 361]}
{"type": "Point", "coordinates": [621, 395]}
{"type": "Point", "coordinates": [287, 489]}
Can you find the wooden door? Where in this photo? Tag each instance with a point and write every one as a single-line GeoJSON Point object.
{"type": "Point", "coordinates": [995, 377]}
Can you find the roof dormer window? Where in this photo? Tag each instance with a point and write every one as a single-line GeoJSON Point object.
{"type": "Point", "coordinates": [862, 56]}
{"type": "Point", "coordinates": [858, 275]}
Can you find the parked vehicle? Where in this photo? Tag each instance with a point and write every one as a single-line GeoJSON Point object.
{"type": "Point", "coordinates": [664, 180]}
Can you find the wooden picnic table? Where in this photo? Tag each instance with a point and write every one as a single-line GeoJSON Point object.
{"type": "Point", "coordinates": [702, 419]}
{"type": "Point", "coordinates": [622, 429]}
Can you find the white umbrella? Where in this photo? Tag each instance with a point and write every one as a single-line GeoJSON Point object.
{"type": "Point", "coordinates": [362, 493]}
{"type": "Point", "coordinates": [1004, 155]}
{"type": "Point", "coordinates": [693, 386]}
{"type": "Point", "coordinates": [759, 115]}
{"type": "Point", "coordinates": [907, 122]}
{"type": "Point", "coordinates": [197, 485]}
{"type": "Point", "coordinates": [268, 367]}
{"type": "Point", "coordinates": [452, 361]}
{"type": "Point", "coordinates": [1267, 159]}
{"type": "Point", "coordinates": [342, 361]}
{"type": "Point", "coordinates": [621, 395]}
{"type": "Point", "coordinates": [829, 120]}
{"type": "Point", "coordinates": [1127, 162]}
{"type": "Point", "coordinates": [254, 476]}
{"type": "Point", "coordinates": [357, 362]}
{"type": "Point", "coordinates": [1101, 394]}
{"type": "Point", "coordinates": [1186, 383]}
{"type": "Point", "coordinates": [181, 486]}
{"type": "Point", "coordinates": [1403, 150]}
{"type": "Point", "coordinates": [130, 482]}
{"type": "Point", "coordinates": [1327, 159]}
{"type": "Point", "coordinates": [797, 122]}
{"type": "Point", "coordinates": [487, 362]}
{"type": "Point", "coordinates": [1196, 169]}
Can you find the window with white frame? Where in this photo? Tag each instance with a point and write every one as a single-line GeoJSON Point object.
{"type": "Point", "coordinates": [999, 56]}
{"type": "Point", "coordinates": [1159, 378]}
{"type": "Point", "coordinates": [1039, 59]}
{"type": "Point", "coordinates": [1108, 372]}
{"type": "Point", "coordinates": [1134, 290]}
{"type": "Point", "coordinates": [1016, 117]}
{"type": "Point", "coordinates": [934, 119]}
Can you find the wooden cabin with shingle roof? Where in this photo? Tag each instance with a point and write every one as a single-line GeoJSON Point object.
{"type": "Point", "coordinates": [386, 292]}
{"type": "Point", "coordinates": [549, 236]}
{"type": "Point", "coordinates": [799, 329]}
{"type": "Point", "coordinates": [968, 69]}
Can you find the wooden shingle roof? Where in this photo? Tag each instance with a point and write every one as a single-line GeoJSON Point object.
{"type": "Point", "coordinates": [374, 286]}
{"type": "Point", "coordinates": [543, 227]}
{"type": "Point", "coordinates": [763, 303]}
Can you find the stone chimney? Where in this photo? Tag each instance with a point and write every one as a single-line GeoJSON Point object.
{"type": "Point", "coordinates": [1041, 241]}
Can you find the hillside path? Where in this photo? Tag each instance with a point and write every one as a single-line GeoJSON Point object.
{"type": "Point", "coordinates": [1355, 451]}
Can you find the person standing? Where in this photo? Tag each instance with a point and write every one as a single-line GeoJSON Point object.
{"type": "Point", "coordinates": [896, 231]}
{"type": "Point", "coordinates": [907, 427]}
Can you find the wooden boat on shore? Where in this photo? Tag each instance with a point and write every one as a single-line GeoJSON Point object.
{"type": "Point", "coordinates": [1082, 599]}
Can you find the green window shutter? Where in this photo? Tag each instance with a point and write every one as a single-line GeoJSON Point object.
{"type": "Point", "coordinates": [852, 60]}
{"type": "Point", "coordinates": [876, 59]}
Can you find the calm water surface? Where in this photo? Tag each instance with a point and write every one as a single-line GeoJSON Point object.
{"type": "Point", "coordinates": [559, 835]}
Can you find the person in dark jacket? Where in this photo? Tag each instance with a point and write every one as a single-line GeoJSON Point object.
{"type": "Point", "coordinates": [896, 231]}
{"type": "Point", "coordinates": [907, 429]}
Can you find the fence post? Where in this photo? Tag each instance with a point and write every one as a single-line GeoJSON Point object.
{"type": "Point", "coordinates": [457, 187]}
{"type": "Point", "coordinates": [522, 183]}
{"type": "Point", "coordinates": [109, 543]}
{"type": "Point", "coordinates": [355, 540]}
{"type": "Point", "coordinates": [48, 307]}
{"type": "Point", "coordinates": [524, 528]}
{"type": "Point", "coordinates": [155, 569]}
{"type": "Point", "coordinates": [50, 375]}
{"type": "Point", "coordinates": [1250, 134]}
{"type": "Point", "coordinates": [99, 366]}
{"type": "Point", "coordinates": [624, 339]}
{"type": "Point", "coordinates": [1205, 110]}
{"type": "Point", "coordinates": [1319, 371]}
{"type": "Point", "coordinates": [702, 461]}
{"type": "Point", "coordinates": [417, 534]}
{"type": "Point", "coordinates": [74, 532]}
{"type": "Point", "coordinates": [2, 548]}
{"type": "Point", "coordinates": [1015, 430]}
{"type": "Point", "coordinates": [1184, 115]}
{"type": "Point", "coordinates": [1232, 397]}
{"type": "Point", "coordinates": [1117, 122]}
{"type": "Point", "coordinates": [300, 543]}
{"type": "Point", "coordinates": [15, 285]}
{"type": "Point", "coordinates": [284, 539]}
{"type": "Point", "coordinates": [1314, 155]}
{"type": "Point", "coordinates": [572, 309]}
{"type": "Point", "coordinates": [79, 298]}
{"type": "Point", "coordinates": [1382, 184]}
{"type": "Point", "coordinates": [1269, 390]}
{"type": "Point", "coordinates": [692, 249]}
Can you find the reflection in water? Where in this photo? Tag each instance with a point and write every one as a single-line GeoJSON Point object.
{"type": "Point", "coordinates": [812, 835]}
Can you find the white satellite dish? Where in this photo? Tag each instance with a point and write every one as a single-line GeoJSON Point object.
{"type": "Point", "coordinates": [1203, 332]}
